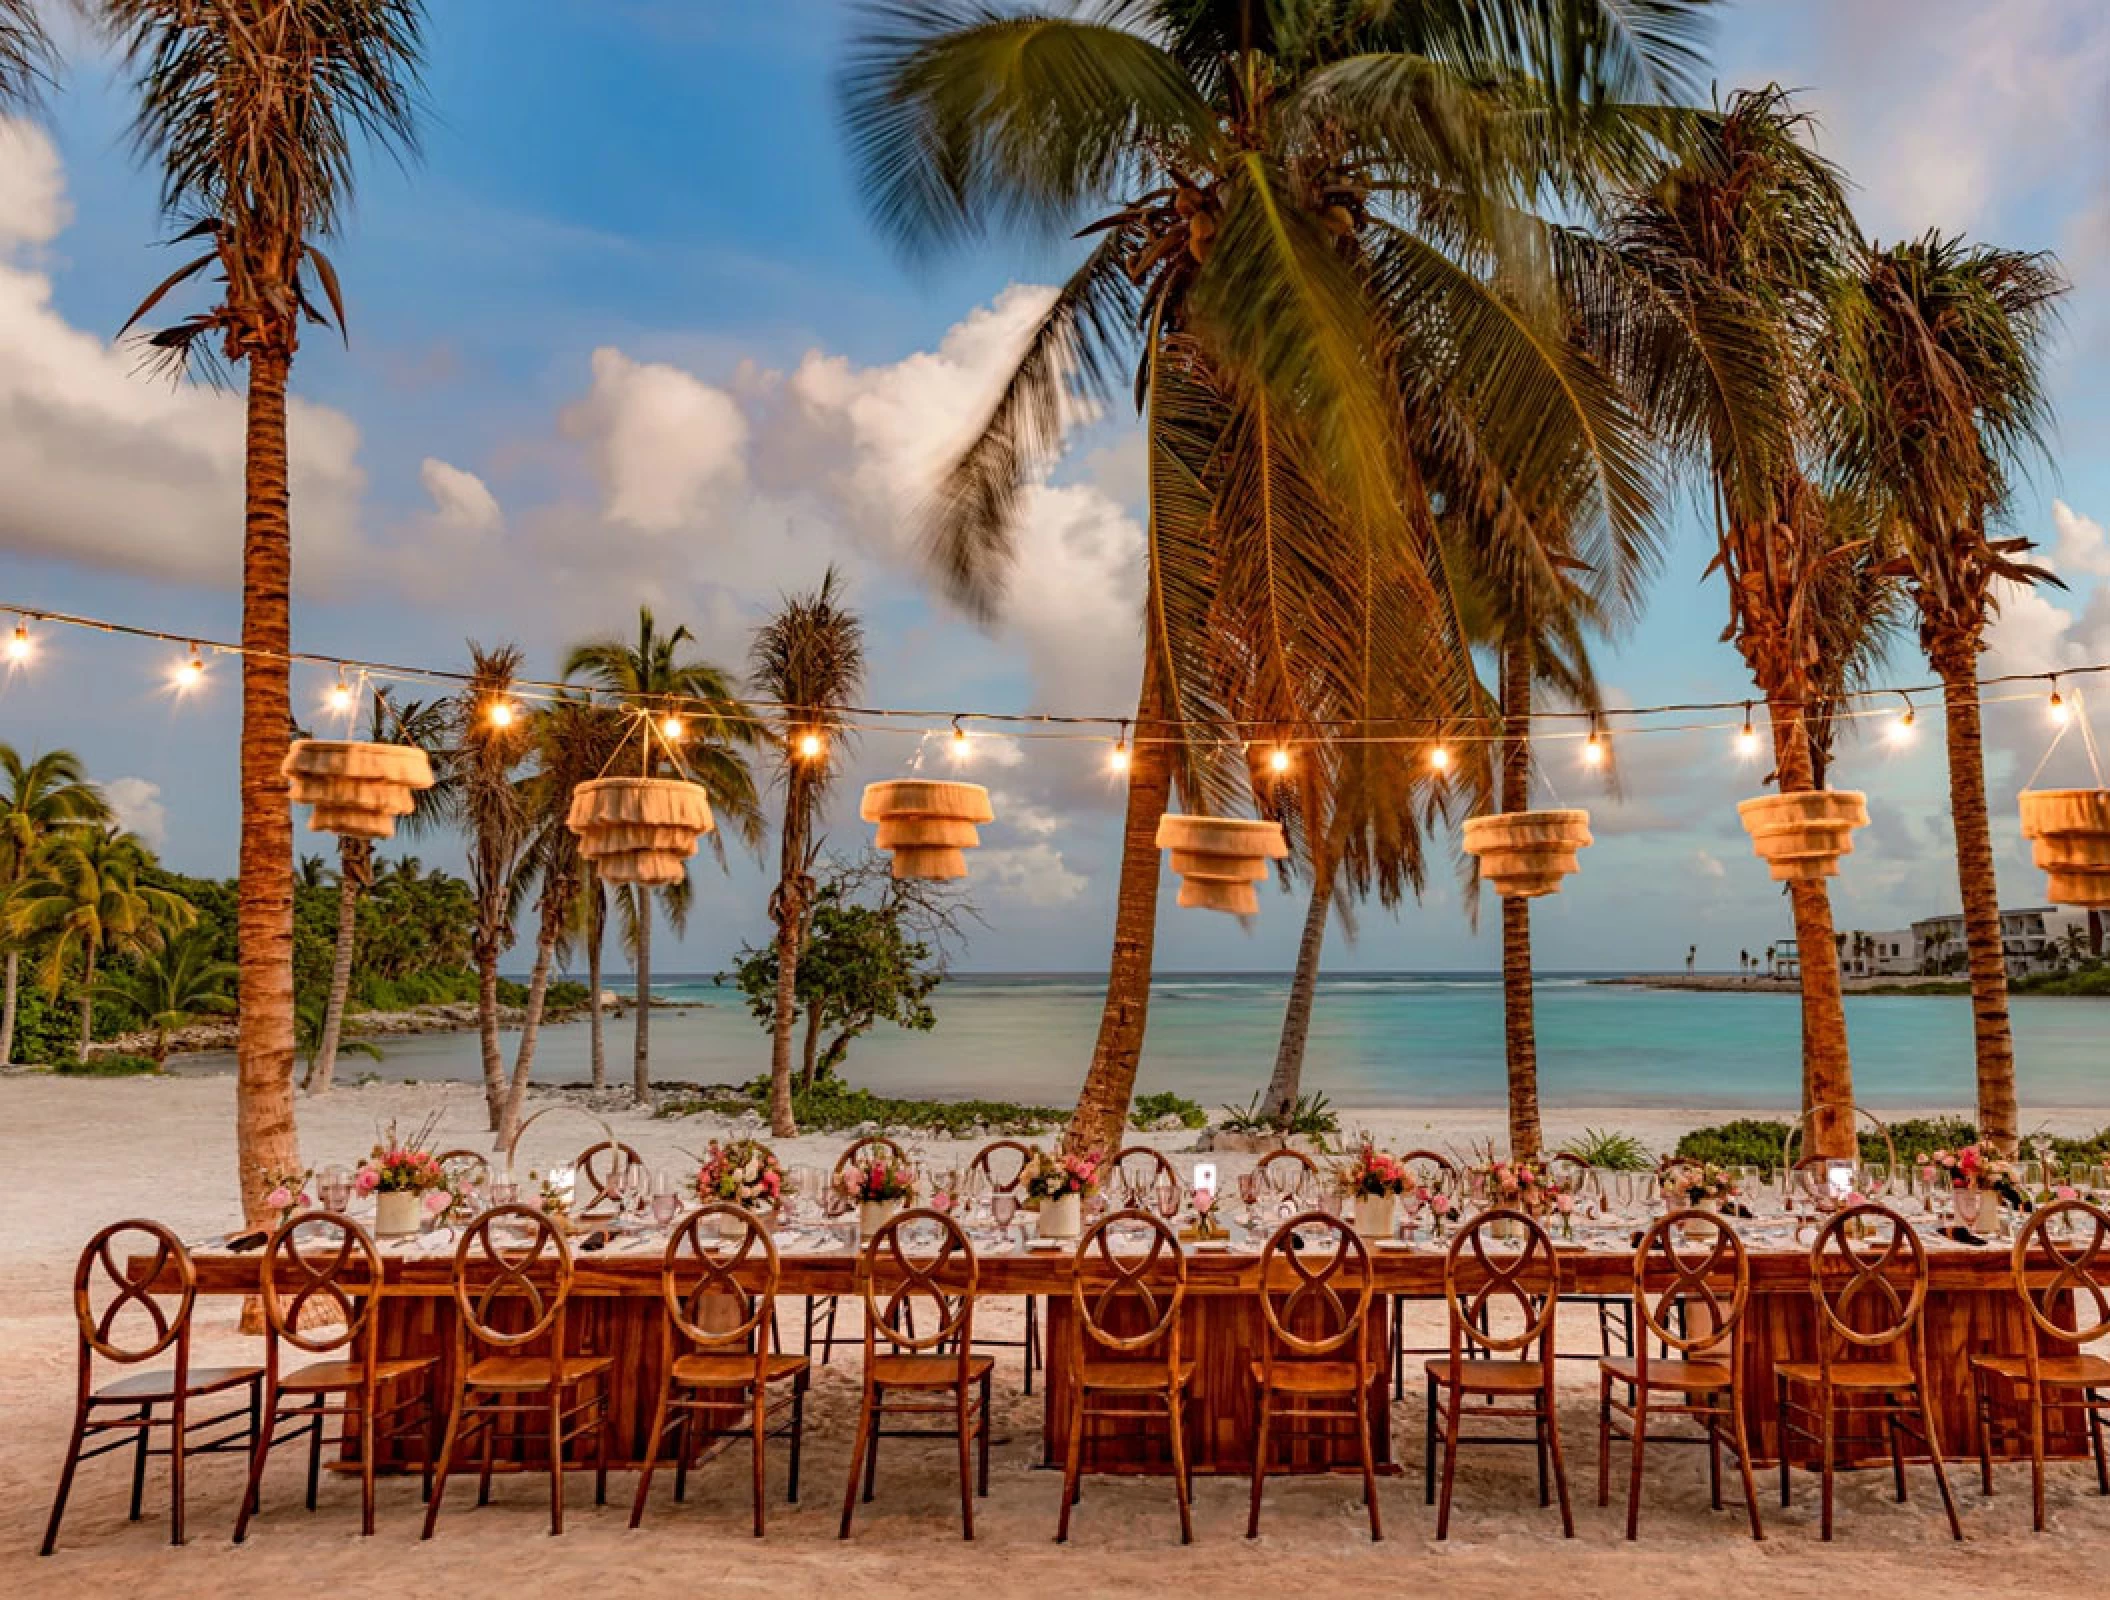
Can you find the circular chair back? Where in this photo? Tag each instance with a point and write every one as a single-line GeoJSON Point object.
{"type": "Point", "coordinates": [110, 1298]}
{"type": "Point", "coordinates": [492, 1275]}
{"type": "Point", "coordinates": [1136, 1171]}
{"type": "Point", "coordinates": [1286, 1163]}
{"type": "Point", "coordinates": [2072, 1306]}
{"type": "Point", "coordinates": [1326, 1305]}
{"type": "Point", "coordinates": [1526, 1277]}
{"type": "Point", "coordinates": [321, 1279]}
{"type": "Point", "coordinates": [466, 1169]}
{"type": "Point", "coordinates": [1687, 1259]}
{"type": "Point", "coordinates": [1859, 1257]}
{"type": "Point", "coordinates": [1125, 1302]}
{"type": "Point", "coordinates": [1001, 1165]}
{"type": "Point", "coordinates": [865, 1149]}
{"type": "Point", "coordinates": [599, 1170]}
{"type": "Point", "coordinates": [1432, 1169]}
{"type": "Point", "coordinates": [892, 1281]}
{"type": "Point", "coordinates": [701, 1274]}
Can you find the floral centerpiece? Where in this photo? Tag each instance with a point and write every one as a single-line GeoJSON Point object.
{"type": "Point", "coordinates": [406, 1180]}
{"type": "Point", "coordinates": [745, 1172]}
{"type": "Point", "coordinates": [1701, 1184]}
{"type": "Point", "coordinates": [1972, 1173]}
{"type": "Point", "coordinates": [1527, 1187]}
{"type": "Point", "coordinates": [879, 1186]}
{"type": "Point", "coordinates": [1057, 1184]}
{"type": "Point", "coordinates": [286, 1193]}
{"type": "Point", "coordinates": [1373, 1181]}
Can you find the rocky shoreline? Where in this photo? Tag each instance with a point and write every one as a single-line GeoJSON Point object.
{"type": "Point", "coordinates": [1735, 983]}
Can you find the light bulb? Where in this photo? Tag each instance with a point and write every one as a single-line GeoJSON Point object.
{"type": "Point", "coordinates": [1593, 749]}
{"type": "Point", "coordinates": [339, 699]}
{"type": "Point", "coordinates": [1440, 759]}
{"type": "Point", "coordinates": [1747, 741]}
{"type": "Point", "coordinates": [190, 672]}
{"type": "Point", "coordinates": [501, 713]}
{"type": "Point", "coordinates": [1278, 758]}
{"type": "Point", "coordinates": [810, 746]}
{"type": "Point", "coordinates": [20, 648]}
{"type": "Point", "coordinates": [1117, 761]}
{"type": "Point", "coordinates": [2060, 710]}
{"type": "Point", "coordinates": [1901, 730]}
{"type": "Point", "coordinates": [670, 728]}
{"type": "Point", "coordinates": [960, 750]}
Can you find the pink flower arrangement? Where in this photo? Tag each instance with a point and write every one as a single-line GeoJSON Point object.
{"type": "Point", "coordinates": [287, 1192]}
{"type": "Point", "coordinates": [1971, 1167]}
{"type": "Point", "coordinates": [1050, 1177]}
{"type": "Point", "coordinates": [1523, 1187]}
{"type": "Point", "coordinates": [402, 1166]}
{"type": "Point", "coordinates": [1374, 1173]}
{"type": "Point", "coordinates": [746, 1172]}
{"type": "Point", "coordinates": [881, 1178]}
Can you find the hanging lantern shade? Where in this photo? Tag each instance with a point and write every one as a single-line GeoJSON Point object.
{"type": "Point", "coordinates": [639, 830]}
{"type": "Point", "coordinates": [1801, 837]}
{"type": "Point", "coordinates": [358, 790]}
{"type": "Point", "coordinates": [1219, 859]}
{"type": "Point", "coordinates": [927, 826]}
{"type": "Point", "coordinates": [2070, 832]}
{"type": "Point", "coordinates": [1525, 854]}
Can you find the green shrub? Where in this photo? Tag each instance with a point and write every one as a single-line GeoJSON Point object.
{"type": "Point", "coordinates": [832, 1107]}
{"type": "Point", "coordinates": [1148, 1110]}
{"type": "Point", "coordinates": [1746, 1142]}
{"type": "Point", "coordinates": [1915, 1136]}
{"type": "Point", "coordinates": [106, 1066]}
{"type": "Point", "coordinates": [1310, 1118]}
{"type": "Point", "coordinates": [1613, 1151]}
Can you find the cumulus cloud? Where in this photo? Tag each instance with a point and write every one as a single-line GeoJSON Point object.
{"type": "Point", "coordinates": [459, 499]}
{"type": "Point", "coordinates": [2081, 545]}
{"type": "Point", "coordinates": [1029, 875]}
{"type": "Point", "coordinates": [661, 440]}
{"type": "Point", "coordinates": [136, 804]}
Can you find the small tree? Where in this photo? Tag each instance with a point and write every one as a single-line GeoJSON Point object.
{"type": "Point", "coordinates": [173, 986]}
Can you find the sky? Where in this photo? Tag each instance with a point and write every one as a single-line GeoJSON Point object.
{"type": "Point", "coordinates": [625, 335]}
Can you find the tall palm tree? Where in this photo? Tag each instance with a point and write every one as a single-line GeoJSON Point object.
{"type": "Point", "coordinates": [44, 796]}
{"type": "Point", "coordinates": [173, 986]}
{"type": "Point", "coordinates": [590, 919]}
{"type": "Point", "coordinates": [655, 679]}
{"type": "Point", "coordinates": [1940, 369]}
{"type": "Point", "coordinates": [251, 113]}
{"type": "Point", "coordinates": [1298, 208]}
{"type": "Point", "coordinates": [490, 738]}
{"type": "Point", "coordinates": [806, 663]}
{"type": "Point", "coordinates": [84, 897]}
{"type": "Point", "coordinates": [25, 54]}
{"type": "Point", "coordinates": [424, 725]}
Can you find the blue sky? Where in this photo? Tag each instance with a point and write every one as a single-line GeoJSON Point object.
{"type": "Point", "coordinates": [625, 335]}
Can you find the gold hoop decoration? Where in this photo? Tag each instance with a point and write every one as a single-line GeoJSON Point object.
{"type": "Point", "coordinates": [1801, 837]}
{"type": "Point", "coordinates": [1525, 854]}
{"type": "Point", "coordinates": [357, 789]}
{"type": "Point", "coordinates": [927, 826]}
{"type": "Point", "coordinates": [1219, 859]}
{"type": "Point", "coordinates": [1799, 1169]}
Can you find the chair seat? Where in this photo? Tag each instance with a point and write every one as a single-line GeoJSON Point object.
{"type": "Point", "coordinates": [1310, 1377]}
{"type": "Point", "coordinates": [321, 1375]}
{"type": "Point", "coordinates": [533, 1372]}
{"type": "Point", "coordinates": [1132, 1377]}
{"type": "Point", "coordinates": [161, 1385]}
{"type": "Point", "coordinates": [733, 1371]}
{"type": "Point", "coordinates": [2059, 1372]}
{"type": "Point", "coordinates": [1687, 1377]}
{"type": "Point", "coordinates": [1850, 1374]}
{"type": "Point", "coordinates": [927, 1372]}
{"type": "Point", "coordinates": [1488, 1377]}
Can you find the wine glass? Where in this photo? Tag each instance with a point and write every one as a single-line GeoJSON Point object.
{"type": "Point", "coordinates": [666, 1196]}
{"type": "Point", "coordinates": [335, 1186]}
{"type": "Point", "coordinates": [1003, 1211]}
{"type": "Point", "coordinates": [633, 1188]}
{"type": "Point", "coordinates": [1248, 1194]}
{"type": "Point", "coordinates": [1168, 1199]}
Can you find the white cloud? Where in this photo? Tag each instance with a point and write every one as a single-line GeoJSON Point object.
{"type": "Point", "coordinates": [2082, 545]}
{"type": "Point", "coordinates": [33, 204]}
{"type": "Point", "coordinates": [661, 439]}
{"type": "Point", "coordinates": [1030, 875]}
{"type": "Point", "coordinates": [460, 499]}
{"type": "Point", "coordinates": [136, 803]}
{"type": "Point", "coordinates": [1708, 865]}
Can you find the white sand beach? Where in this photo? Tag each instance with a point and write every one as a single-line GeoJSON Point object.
{"type": "Point", "coordinates": [80, 1153]}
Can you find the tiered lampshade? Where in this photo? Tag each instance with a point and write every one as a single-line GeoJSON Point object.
{"type": "Point", "coordinates": [927, 826]}
{"type": "Point", "coordinates": [1801, 837]}
{"type": "Point", "coordinates": [358, 790]}
{"type": "Point", "coordinates": [2070, 829]}
{"type": "Point", "coordinates": [1525, 854]}
{"type": "Point", "coordinates": [1219, 859]}
{"type": "Point", "coordinates": [640, 830]}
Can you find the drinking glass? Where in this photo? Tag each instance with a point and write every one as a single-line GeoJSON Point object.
{"type": "Point", "coordinates": [335, 1186]}
{"type": "Point", "coordinates": [633, 1188]}
{"type": "Point", "coordinates": [1003, 1211]}
{"type": "Point", "coordinates": [1168, 1199]}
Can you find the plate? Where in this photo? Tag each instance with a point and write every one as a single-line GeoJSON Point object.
{"type": "Point", "coordinates": [1047, 1244]}
{"type": "Point", "coordinates": [1393, 1244]}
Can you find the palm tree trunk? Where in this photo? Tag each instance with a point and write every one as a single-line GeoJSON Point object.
{"type": "Point", "coordinates": [494, 1064]}
{"type": "Point", "coordinates": [1110, 1081]}
{"type": "Point", "coordinates": [1998, 1116]}
{"type": "Point", "coordinates": [8, 1006]}
{"type": "Point", "coordinates": [790, 911]}
{"type": "Point", "coordinates": [87, 1000]}
{"type": "Point", "coordinates": [530, 1024]}
{"type": "Point", "coordinates": [1827, 1065]}
{"type": "Point", "coordinates": [641, 1061]}
{"type": "Point", "coordinates": [354, 869]}
{"type": "Point", "coordinates": [596, 932]}
{"type": "Point", "coordinates": [265, 1137]}
{"type": "Point", "coordinates": [811, 1049]}
{"type": "Point", "coordinates": [1519, 1027]}
{"type": "Point", "coordinates": [1288, 1079]}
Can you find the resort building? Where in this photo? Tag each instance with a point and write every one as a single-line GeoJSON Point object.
{"type": "Point", "coordinates": [2040, 939]}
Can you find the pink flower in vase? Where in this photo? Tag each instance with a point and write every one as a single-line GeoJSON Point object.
{"type": "Point", "coordinates": [367, 1181]}
{"type": "Point", "coordinates": [280, 1198]}
{"type": "Point", "coordinates": [1565, 1205]}
{"type": "Point", "coordinates": [436, 1201]}
{"type": "Point", "coordinates": [2066, 1191]}
{"type": "Point", "coordinates": [1440, 1203]}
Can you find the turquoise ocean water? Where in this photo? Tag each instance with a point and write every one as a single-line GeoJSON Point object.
{"type": "Point", "coordinates": [1377, 1040]}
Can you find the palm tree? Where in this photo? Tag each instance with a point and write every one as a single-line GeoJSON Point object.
{"type": "Point", "coordinates": [84, 896]}
{"type": "Point", "coordinates": [173, 986]}
{"type": "Point", "coordinates": [806, 663]}
{"type": "Point", "coordinates": [251, 114]}
{"type": "Point", "coordinates": [1940, 371]}
{"type": "Point", "coordinates": [655, 680]}
{"type": "Point", "coordinates": [590, 918]}
{"type": "Point", "coordinates": [25, 54]}
{"type": "Point", "coordinates": [1301, 212]}
{"type": "Point", "coordinates": [43, 796]}
{"type": "Point", "coordinates": [421, 724]}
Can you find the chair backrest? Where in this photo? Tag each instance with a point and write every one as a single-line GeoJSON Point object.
{"type": "Point", "coordinates": [1855, 1264]}
{"type": "Point", "coordinates": [321, 1280]}
{"type": "Point", "coordinates": [1327, 1303]}
{"type": "Point", "coordinates": [1001, 1164]}
{"type": "Point", "coordinates": [863, 1149]}
{"type": "Point", "coordinates": [1570, 1171]}
{"type": "Point", "coordinates": [1137, 1170]}
{"type": "Point", "coordinates": [466, 1167]}
{"type": "Point", "coordinates": [1132, 1301]}
{"type": "Point", "coordinates": [105, 1267]}
{"type": "Point", "coordinates": [491, 1275]}
{"type": "Point", "coordinates": [893, 1281]}
{"type": "Point", "coordinates": [2072, 1306]}
{"type": "Point", "coordinates": [1526, 1277]}
{"type": "Point", "coordinates": [1425, 1164]}
{"type": "Point", "coordinates": [707, 1264]}
{"type": "Point", "coordinates": [1689, 1258]}
{"type": "Point", "coordinates": [1285, 1157]}
{"type": "Point", "coordinates": [600, 1170]}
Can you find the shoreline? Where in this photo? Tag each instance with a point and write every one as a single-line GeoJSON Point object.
{"type": "Point", "coordinates": [1947, 985]}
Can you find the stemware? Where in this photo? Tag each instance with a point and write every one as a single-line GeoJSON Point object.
{"type": "Point", "coordinates": [1003, 1211]}
{"type": "Point", "coordinates": [1248, 1194]}
{"type": "Point", "coordinates": [1168, 1199]}
{"type": "Point", "coordinates": [335, 1186]}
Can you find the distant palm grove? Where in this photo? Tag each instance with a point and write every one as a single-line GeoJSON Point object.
{"type": "Point", "coordinates": [1431, 314]}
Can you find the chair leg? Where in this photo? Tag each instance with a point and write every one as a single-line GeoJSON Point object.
{"type": "Point", "coordinates": [1181, 1486]}
{"type": "Point", "coordinates": [315, 1432]}
{"type": "Point", "coordinates": [1740, 1437]}
{"type": "Point", "coordinates": [492, 1420]}
{"type": "Point", "coordinates": [828, 1336]}
{"type": "Point", "coordinates": [963, 1409]}
{"type": "Point", "coordinates": [655, 1437]}
{"type": "Point", "coordinates": [73, 1460]}
{"type": "Point", "coordinates": [1428, 1447]}
{"type": "Point", "coordinates": [447, 1444]}
{"type": "Point", "coordinates": [798, 1432]}
{"type": "Point", "coordinates": [1072, 1465]}
{"type": "Point", "coordinates": [365, 1401]}
{"type": "Point", "coordinates": [872, 1448]}
{"type": "Point", "coordinates": [2036, 1461]}
{"type": "Point", "coordinates": [1640, 1445]}
{"type": "Point", "coordinates": [1931, 1432]}
{"type": "Point", "coordinates": [1399, 1348]}
{"type": "Point", "coordinates": [1780, 1434]}
{"type": "Point", "coordinates": [1826, 1424]}
{"type": "Point", "coordinates": [761, 1430]}
{"type": "Point", "coordinates": [556, 1461]}
{"type": "Point", "coordinates": [2095, 1439]}
{"type": "Point", "coordinates": [1453, 1406]}
{"type": "Point", "coordinates": [1714, 1461]}
{"type": "Point", "coordinates": [1897, 1451]}
{"type": "Point", "coordinates": [1604, 1437]}
{"type": "Point", "coordinates": [1369, 1459]}
{"type": "Point", "coordinates": [857, 1451]}
{"type": "Point", "coordinates": [1252, 1521]}
{"type": "Point", "coordinates": [982, 1432]}
{"type": "Point", "coordinates": [258, 1454]}
{"type": "Point", "coordinates": [1032, 1338]}
{"type": "Point", "coordinates": [179, 1412]}
{"type": "Point", "coordinates": [1539, 1441]}
{"type": "Point", "coordinates": [1560, 1469]}
{"type": "Point", "coordinates": [1982, 1408]}
{"type": "Point", "coordinates": [139, 1459]}
{"type": "Point", "coordinates": [600, 1442]}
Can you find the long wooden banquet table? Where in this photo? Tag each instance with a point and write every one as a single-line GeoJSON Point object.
{"type": "Point", "coordinates": [1971, 1309]}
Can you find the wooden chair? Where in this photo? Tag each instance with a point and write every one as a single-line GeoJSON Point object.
{"type": "Point", "coordinates": [1307, 1169]}
{"type": "Point", "coordinates": [129, 1328]}
{"type": "Point", "coordinates": [1871, 1345]}
{"type": "Point", "coordinates": [729, 1368]}
{"type": "Point", "coordinates": [1615, 1312]}
{"type": "Point", "coordinates": [599, 1169]}
{"type": "Point", "coordinates": [1125, 1359]}
{"type": "Point", "coordinates": [1699, 1266]}
{"type": "Point", "coordinates": [1315, 1357]}
{"type": "Point", "coordinates": [940, 1363]}
{"type": "Point", "coordinates": [820, 1313]}
{"type": "Point", "coordinates": [320, 1304]}
{"type": "Point", "coordinates": [2072, 1309]}
{"type": "Point", "coordinates": [467, 1168]}
{"type": "Point", "coordinates": [1001, 1166]}
{"type": "Point", "coordinates": [1510, 1382]}
{"type": "Point", "coordinates": [569, 1392]}
{"type": "Point", "coordinates": [1427, 1166]}
{"type": "Point", "coordinates": [1136, 1171]}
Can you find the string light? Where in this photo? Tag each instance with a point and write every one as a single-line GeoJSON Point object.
{"type": "Point", "coordinates": [1747, 736]}
{"type": "Point", "coordinates": [1593, 747]}
{"type": "Point", "coordinates": [190, 672]}
{"type": "Point", "coordinates": [1117, 760]}
{"type": "Point", "coordinates": [960, 748]}
{"type": "Point", "coordinates": [811, 746]}
{"type": "Point", "coordinates": [20, 648]}
{"type": "Point", "coordinates": [2060, 710]}
{"type": "Point", "coordinates": [500, 712]}
{"type": "Point", "coordinates": [670, 729]}
{"type": "Point", "coordinates": [1278, 758]}
{"type": "Point", "coordinates": [1901, 730]}
{"type": "Point", "coordinates": [339, 699]}
{"type": "Point", "coordinates": [1440, 758]}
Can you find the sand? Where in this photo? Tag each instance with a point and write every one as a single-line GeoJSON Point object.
{"type": "Point", "coordinates": [81, 1153]}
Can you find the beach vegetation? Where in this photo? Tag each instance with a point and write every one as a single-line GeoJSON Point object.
{"type": "Point", "coordinates": [108, 1064]}
{"type": "Point", "coordinates": [171, 986]}
{"type": "Point", "coordinates": [1147, 1111]}
{"type": "Point", "coordinates": [44, 795]}
{"type": "Point", "coordinates": [831, 1106]}
{"type": "Point", "coordinates": [1310, 1117]}
{"type": "Point", "coordinates": [1611, 1150]}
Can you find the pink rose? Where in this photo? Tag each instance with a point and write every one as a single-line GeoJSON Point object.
{"type": "Point", "coordinates": [2066, 1191]}
{"type": "Point", "coordinates": [368, 1180]}
{"type": "Point", "coordinates": [437, 1200]}
{"type": "Point", "coordinates": [1566, 1204]}
{"type": "Point", "coordinates": [280, 1198]}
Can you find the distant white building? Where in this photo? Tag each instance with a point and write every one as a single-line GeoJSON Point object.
{"type": "Point", "coordinates": [1893, 953]}
{"type": "Point", "coordinates": [2036, 939]}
